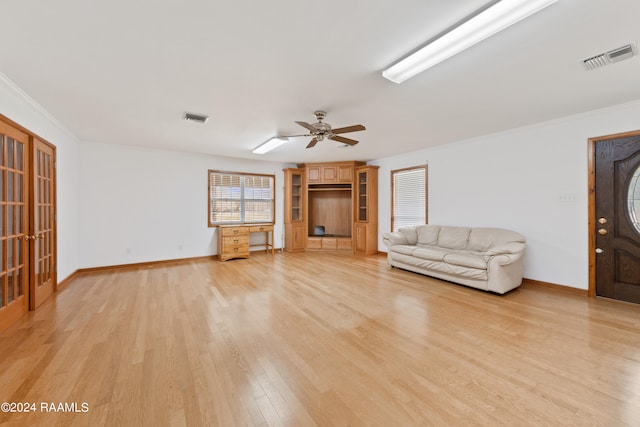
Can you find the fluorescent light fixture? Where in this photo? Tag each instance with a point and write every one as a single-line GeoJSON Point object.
{"type": "Point", "coordinates": [480, 26]}
{"type": "Point", "coordinates": [274, 142]}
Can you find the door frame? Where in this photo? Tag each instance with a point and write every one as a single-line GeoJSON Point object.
{"type": "Point", "coordinates": [591, 154]}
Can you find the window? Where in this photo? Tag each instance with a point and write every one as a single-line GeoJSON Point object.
{"type": "Point", "coordinates": [240, 198]}
{"type": "Point", "coordinates": [409, 197]}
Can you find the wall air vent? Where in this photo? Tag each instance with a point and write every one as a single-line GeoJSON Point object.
{"type": "Point", "coordinates": [615, 55]}
{"type": "Point", "coordinates": [197, 118]}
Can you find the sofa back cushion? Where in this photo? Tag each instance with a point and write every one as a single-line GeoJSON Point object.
{"type": "Point", "coordinates": [410, 233]}
{"type": "Point", "coordinates": [453, 237]}
{"type": "Point", "coordinates": [482, 239]}
{"type": "Point", "coordinates": [428, 234]}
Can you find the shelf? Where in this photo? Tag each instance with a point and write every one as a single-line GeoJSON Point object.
{"type": "Point", "coordinates": [330, 189]}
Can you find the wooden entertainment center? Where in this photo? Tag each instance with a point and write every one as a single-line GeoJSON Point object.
{"type": "Point", "coordinates": [331, 207]}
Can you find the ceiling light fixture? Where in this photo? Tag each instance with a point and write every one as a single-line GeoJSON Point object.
{"type": "Point", "coordinates": [486, 22]}
{"type": "Point", "coordinates": [269, 145]}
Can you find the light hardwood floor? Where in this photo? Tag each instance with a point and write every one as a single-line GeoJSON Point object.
{"type": "Point", "coordinates": [318, 339]}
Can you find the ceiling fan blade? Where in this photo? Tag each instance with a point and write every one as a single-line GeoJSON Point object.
{"type": "Point", "coordinates": [313, 143]}
{"type": "Point", "coordinates": [307, 125]}
{"type": "Point", "coordinates": [343, 140]}
{"type": "Point", "coordinates": [346, 129]}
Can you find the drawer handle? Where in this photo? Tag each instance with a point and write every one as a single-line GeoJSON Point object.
{"type": "Point", "coordinates": [261, 228]}
{"type": "Point", "coordinates": [235, 231]}
{"type": "Point", "coordinates": [235, 241]}
{"type": "Point", "coordinates": [235, 249]}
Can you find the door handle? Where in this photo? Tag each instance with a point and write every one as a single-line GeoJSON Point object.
{"type": "Point", "coordinates": [602, 231]}
{"type": "Point", "coordinates": [599, 251]}
{"type": "Point", "coordinates": [34, 237]}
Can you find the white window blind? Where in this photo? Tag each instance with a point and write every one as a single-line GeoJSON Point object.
{"type": "Point", "coordinates": [241, 198]}
{"type": "Point", "coordinates": [409, 197]}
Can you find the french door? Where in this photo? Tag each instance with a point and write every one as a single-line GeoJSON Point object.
{"type": "Point", "coordinates": [27, 222]}
{"type": "Point", "coordinates": [43, 238]}
{"type": "Point", "coordinates": [14, 196]}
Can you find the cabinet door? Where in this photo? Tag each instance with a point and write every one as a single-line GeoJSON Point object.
{"type": "Point", "coordinates": [299, 237]}
{"type": "Point", "coordinates": [329, 174]}
{"type": "Point", "coordinates": [296, 197]}
{"type": "Point", "coordinates": [345, 174]}
{"type": "Point", "coordinates": [361, 238]}
{"type": "Point", "coordinates": [363, 196]}
{"type": "Point", "coordinates": [313, 174]}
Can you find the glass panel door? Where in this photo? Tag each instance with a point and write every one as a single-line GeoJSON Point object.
{"type": "Point", "coordinates": [43, 283]}
{"type": "Point", "coordinates": [296, 197]}
{"type": "Point", "coordinates": [14, 259]}
{"type": "Point", "coordinates": [362, 196]}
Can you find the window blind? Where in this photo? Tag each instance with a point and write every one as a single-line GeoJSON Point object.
{"type": "Point", "coordinates": [236, 197]}
{"type": "Point", "coordinates": [409, 197]}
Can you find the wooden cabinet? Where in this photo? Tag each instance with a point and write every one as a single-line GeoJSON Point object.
{"type": "Point", "coordinates": [331, 207]}
{"type": "Point", "coordinates": [295, 210]}
{"type": "Point", "coordinates": [329, 243]}
{"type": "Point", "coordinates": [360, 245]}
{"type": "Point", "coordinates": [366, 210]}
{"type": "Point", "coordinates": [233, 242]}
{"type": "Point", "coordinates": [330, 173]}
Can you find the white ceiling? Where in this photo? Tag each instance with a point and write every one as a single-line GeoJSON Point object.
{"type": "Point", "coordinates": [124, 72]}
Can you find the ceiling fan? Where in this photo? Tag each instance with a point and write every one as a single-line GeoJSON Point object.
{"type": "Point", "coordinates": [320, 130]}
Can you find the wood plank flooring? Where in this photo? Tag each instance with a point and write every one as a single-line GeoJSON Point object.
{"type": "Point", "coordinates": [317, 339]}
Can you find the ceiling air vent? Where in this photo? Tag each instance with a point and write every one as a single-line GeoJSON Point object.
{"type": "Point", "coordinates": [615, 55]}
{"type": "Point", "coordinates": [198, 118]}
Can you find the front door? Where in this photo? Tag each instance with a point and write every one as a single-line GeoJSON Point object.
{"type": "Point", "coordinates": [617, 217]}
{"type": "Point", "coordinates": [43, 275]}
{"type": "Point", "coordinates": [14, 248]}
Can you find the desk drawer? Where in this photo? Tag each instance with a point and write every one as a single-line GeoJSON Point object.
{"type": "Point", "coordinates": [240, 239]}
{"type": "Point", "coordinates": [235, 231]}
{"type": "Point", "coordinates": [236, 249]}
{"type": "Point", "coordinates": [258, 228]}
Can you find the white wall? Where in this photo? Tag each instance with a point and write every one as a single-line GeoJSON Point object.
{"type": "Point", "coordinates": [113, 198]}
{"type": "Point", "coordinates": [519, 180]}
{"type": "Point", "coordinates": [19, 107]}
{"type": "Point", "coordinates": [140, 205]}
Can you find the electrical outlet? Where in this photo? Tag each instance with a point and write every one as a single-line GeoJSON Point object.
{"type": "Point", "coordinates": [569, 197]}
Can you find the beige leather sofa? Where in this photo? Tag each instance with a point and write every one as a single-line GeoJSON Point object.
{"type": "Point", "coordinates": [490, 259]}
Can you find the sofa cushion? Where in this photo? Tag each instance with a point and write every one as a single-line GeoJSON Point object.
{"type": "Point", "coordinates": [403, 249]}
{"type": "Point", "coordinates": [466, 260]}
{"type": "Point", "coordinates": [428, 234]}
{"type": "Point", "coordinates": [432, 253]}
{"type": "Point", "coordinates": [410, 233]}
{"type": "Point", "coordinates": [481, 239]}
{"type": "Point", "coordinates": [453, 237]}
{"type": "Point", "coordinates": [467, 273]}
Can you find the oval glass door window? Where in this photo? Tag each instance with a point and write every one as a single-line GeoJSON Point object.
{"type": "Point", "coordinates": [633, 199]}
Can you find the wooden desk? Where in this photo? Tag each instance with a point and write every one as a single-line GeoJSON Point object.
{"type": "Point", "coordinates": [233, 240]}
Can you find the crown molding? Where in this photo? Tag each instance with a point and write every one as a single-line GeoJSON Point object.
{"type": "Point", "coordinates": [35, 105]}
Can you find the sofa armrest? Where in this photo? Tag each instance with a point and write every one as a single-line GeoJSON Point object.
{"type": "Point", "coordinates": [394, 238]}
{"type": "Point", "coordinates": [505, 258]}
{"type": "Point", "coordinates": [505, 249]}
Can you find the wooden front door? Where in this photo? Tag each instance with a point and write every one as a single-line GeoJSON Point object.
{"type": "Point", "coordinates": [43, 275]}
{"type": "Point", "coordinates": [14, 223]}
{"type": "Point", "coordinates": [617, 217]}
